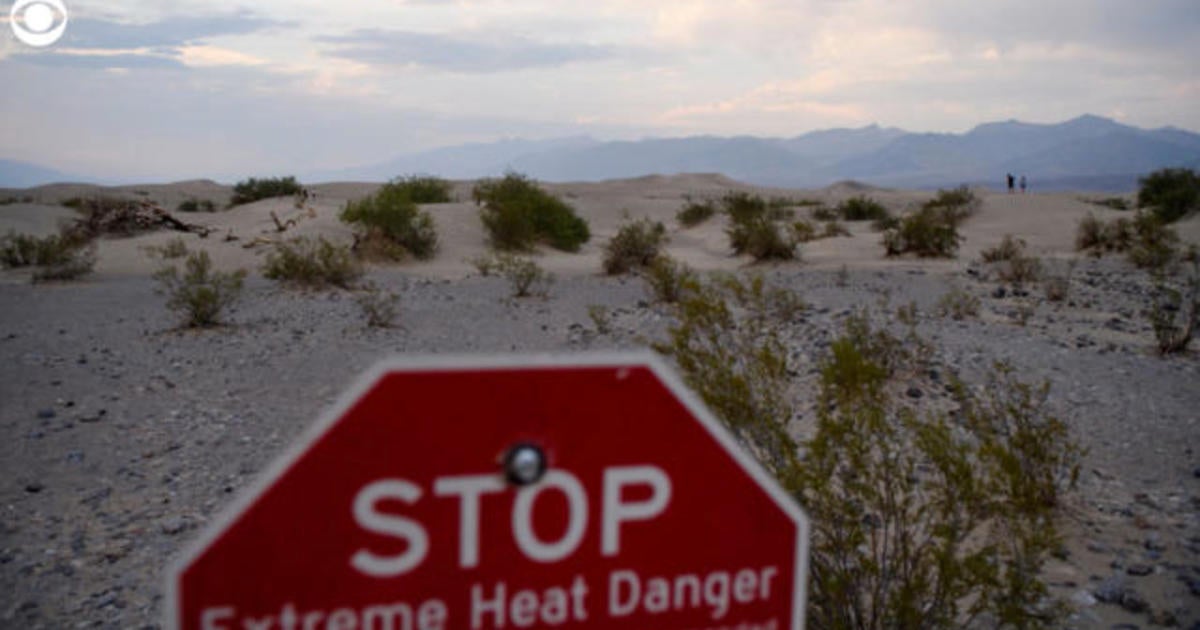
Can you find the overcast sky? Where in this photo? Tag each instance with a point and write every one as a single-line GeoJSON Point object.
{"type": "Point", "coordinates": [171, 89]}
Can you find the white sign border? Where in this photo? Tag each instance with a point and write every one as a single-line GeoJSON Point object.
{"type": "Point", "coordinates": [509, 361]}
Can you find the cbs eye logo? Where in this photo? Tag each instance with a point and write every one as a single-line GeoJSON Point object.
{"type": "Point", "coordinates": [38, 23]}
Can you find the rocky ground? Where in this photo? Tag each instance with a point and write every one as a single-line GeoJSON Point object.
{"type": "Point", "coordinates": [121, 435]}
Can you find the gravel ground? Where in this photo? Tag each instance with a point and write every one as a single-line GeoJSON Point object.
{"type": "Point", "coordinates": [121, 435]}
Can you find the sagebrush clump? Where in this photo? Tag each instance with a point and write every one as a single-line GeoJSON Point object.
{"type": "Point", "coordinates": [199, 293]}
{"type": "Point", "coordinates": [312, 263]}
{"type": "Point", "coordinates": [634, 247]}
{"type": "Point", "coordinates": [253, 189]}
{"type": "Point", "coordinates": [518, 214]}
{"type": "Point", "coordinates": [391, 226]}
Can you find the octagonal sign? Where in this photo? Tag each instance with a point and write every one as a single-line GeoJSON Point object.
{"type": "Point", "coordinates": [590, 491]}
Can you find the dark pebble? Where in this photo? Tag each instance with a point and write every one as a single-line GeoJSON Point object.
{"type": "Point", "coordinates": [45, 414]}
{"type": "Point", "coordinates": [34, 488]}
{"type": "Point", "coordinates": [999, 292]}
{"type": "Point", "coordinates": [1139, 569]}
{"type": "Point", "coordinates": [915, 392]}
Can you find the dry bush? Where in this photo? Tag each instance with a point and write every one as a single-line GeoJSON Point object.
{"type": "Point", "coordinates": [958, 304]}
{"type": "Point", "coordinates": [379, 307]}
{"type": "Point", "coordinates": [199, 293]}
{"type": "Point", "coordinates": [668, 280]}
{"type": "Point", "coordinates": [1175, 311]}
{"type": "Point", "coordinates": [755, 228]}
{"type": "Point", "coordinates": [834, 229]}
{"type": "Point", "coordinates": [524, 275]}
{"type": "Point", "coordinates": [312, 263]}
{"type": "Point", "coordinates": [635, 246]}
{"type": "Point", "coordinates": [694, 212]}
{"type": "Point", "coordinates": [253, 189]}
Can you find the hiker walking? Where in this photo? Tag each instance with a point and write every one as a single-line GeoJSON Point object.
{"type": "Point", "coordinates": [1022, 184]}
{"type": "Point", "coordinates": [1010, 183]}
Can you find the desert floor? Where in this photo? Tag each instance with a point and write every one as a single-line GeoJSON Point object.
{"type": "Point", "coordinates": [122, 434]}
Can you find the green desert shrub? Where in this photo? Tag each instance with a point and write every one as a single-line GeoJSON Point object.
{"type": "Point", "coordinates": [804, 231]}
{"type": "Point", "coordinates": [694, 212]}
{"type": "Point", "coordinates": [390, 225]}
{"type": "Point", "coordinates": [920, 519]}
{"type": "Point", "coordinates": [197, 205]}
{"type": "Point", "coordinates": [199, 293]}
{"type": "Point", "coordinates": [756, 229]}
{"type": "Point", "coordinates": [635, 246]}
{"type": "Point", "coordinates": [668, 279]}
{"type": "Point", "coordinates": [518, 214]}
{"type": "Point", "coordinates": [728, 342]}
{"type": "Point", "coordinates": [64, 256]}
{"type": "Point", "coordinates": [959, 202]}
{"type": "Point", "coordinates": [930, 232]}
{"type": "Point", "coordinates": [312, 263]}
{"type": "Point", "coordinates": [862, 208]}
{"type": "Point", "coordinates": [1154, 244]}
{"type": "Point", "coordinates": [171, 250]}
{"type": "Point", "coordinates": [825, 213]}
{"type": "Point", "coordinates": [1170, 193]}
{"type": "Point", "coordinates": [253, 189]}
{"type": "Point", "coordinates": [424, 188]}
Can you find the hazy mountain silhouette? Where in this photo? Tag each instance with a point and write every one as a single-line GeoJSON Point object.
{"type": "Point", "coordinates": [1084, 153]}
{"type": "Point", "coordinates": [14, 174]}
{"type": "Point", "coordinates": [1088, 152]}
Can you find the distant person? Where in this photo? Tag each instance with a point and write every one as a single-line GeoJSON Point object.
{"type": "Point", "coordinates": [1022, 184]}
{"type": "Point", "coordinates": [1010, 183]}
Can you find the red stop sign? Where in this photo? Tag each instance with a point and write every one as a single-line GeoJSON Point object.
{"type": "Point", "coordinates": [395, 511]}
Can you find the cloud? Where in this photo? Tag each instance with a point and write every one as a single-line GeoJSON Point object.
{"type": "Point", "coordinates": [459, 53]}
{"type": "Point", "coordinates": [133, 59]}
{"type": "Point", "coordinates": [170, 32]}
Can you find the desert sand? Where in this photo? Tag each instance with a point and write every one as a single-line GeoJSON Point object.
{"type": "Point", "coordinates": [121, 434]}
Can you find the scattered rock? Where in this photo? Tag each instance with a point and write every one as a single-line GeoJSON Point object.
{"type": "Point", "coordinates": [999, 293]}
{"type": "Point", "coordinates": [45, 414]}
{"type": "Point", "coordinates": [914, 392]}
{"type": "Point", "coordinates": [34, 487]}
{"type": "Point", "coordinates": [1139, 569]}
{"type": "Point", "coordinates": [173, 525]}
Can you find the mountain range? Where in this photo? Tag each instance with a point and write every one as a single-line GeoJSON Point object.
{"type": "Point", "coordinates": [1085, 153]}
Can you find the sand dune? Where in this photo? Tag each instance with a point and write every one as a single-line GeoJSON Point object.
{"type": "Point", "coordinates": [241, 236]}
